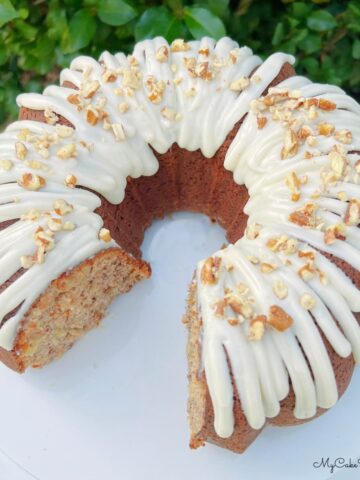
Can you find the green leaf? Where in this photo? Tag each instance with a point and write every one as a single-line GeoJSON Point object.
{"type": "Point", "coordinates": [7, 12]}
{"type": "Point", "coordinates": [321, 21]}
{"type": "Point", "coordinates": [82, 28]}
{"type": "Point", "coordinates": [202, 22]}
{"type": "Point", "coordinates": [300, 9]}
{"type": "Point", "coordinates": [356, 49]}
{"type": "Point", "coordinates": [158, 21]}
{"type": "Point", "coordinates": [278, 34]}
{"type": "Point", "coordinates": [115, 12]}
{"type": "Point", "coordinates": [311, 43]}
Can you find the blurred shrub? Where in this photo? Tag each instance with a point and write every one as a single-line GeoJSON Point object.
{"type": "Point", "coordinates": [38, 37]}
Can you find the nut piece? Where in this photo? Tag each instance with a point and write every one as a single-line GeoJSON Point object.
{"type": "Point", "coordinates": [55, 224]}
{"type": "Point", "coordinates": [32, 214]}
{"type": "Point", "coordinates": [240, 84]}
{"type": "Point", "coordinates": [89, 89]}
{"type": "Point", "coordinates": [67, 151]}
{"type": "Point", "coordinates": [307, 301]}
{"type": "Point", "coordinates": [338, 163]}
{"type": "Point", "coordinates": [252, 231]}
{"type": "Point", "coordinates": [64, 131]}
{"type": "Point", "coordinates": [304, 216]}
{"type": "Point", "coordinates": [257, 328]}
{"type": "Point", "coordinates": [279, 319]}
{"type": "Point", "coordinates": [104, 235]}
{"type": "Point", "coordinates": [50, 116]}
{"type": "Point", "coordinates": [74, 99]}
{"type": "Point", "coordinates": [325, 129]}
{"type": "Point", "coordinates": [343, 136]}
{"type": "Point", "coordinates": [280, 289]}
{"type": "Point", "coordinates": [118, 131]}
{"type": "Point", "coordinates": [170, 114]}
{"type": "Point", "coordinates": [267, 267]}
{"type": "Point", "coordinates": [179, 45]}
{"type": "Point", "coordinates": [307, 272]}
{"type": "Point", "coordinates": [30, 181]}
{"type": "Point", "coordinates": [326, 105]}
{"type": "Point", "coordinates": [162, 54]}
{"type": "Point", "coordinates": [20, 150]}
{"type": "Point", "coordinates": [123, 107]}
{"type": "Point", "coordinates": [62, 207]}
{"type": "Point", "coordinates": [70, 181]}
{"type": "Point", "coordinates": [352, 214]}
{"type": "Point", "coordinates": [261, 122]}
{"type": "Point", "coordinates": [334, 232]}
{"type": "Point", "coordinates": [291, 145]}
{"type": "Point", "coordinates": [109, 76]}
{"type": "Point", "coordinates": [210, 269]}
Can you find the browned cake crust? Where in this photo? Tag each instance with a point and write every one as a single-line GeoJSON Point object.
{"type": "Point", "coordinates": [185, 181]}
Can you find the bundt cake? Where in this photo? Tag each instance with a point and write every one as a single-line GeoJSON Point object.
{"type": "Point", "coordinates": [206, 126]}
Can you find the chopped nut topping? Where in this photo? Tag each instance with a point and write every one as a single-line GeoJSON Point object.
{"type": "Point", "coordinates": [67, 151]}
{"type": "Point", "coordinates": [210, 269]}
{"type": "Point", "coordinates": [306, 254]}
{"type": "Point", "coordinates": [6, 165]}
{"type": "Point", "coordinates": [252, 231]}
{"type": "Point", "coordinates": [307, 301]}
{"type": "Point", "coordinates": [67, 226]}
{"type": "Point", "coordinates": [74, 99]}
{"type": "Point", "coordinates": [304, 216]}
{"type": "Point", "coordinates": [90, 88]}
{"type": "Point", "coordinates": [279, 319]}
{"type": "Point", "coordinates": [118, 131]}
{"type": "Point", "coordinates": [62, 207]}
{"type": "Point", "coordinates": [334, 232]}
{"type": "Point", "coordinates": [109, 76]}
{"type": "Point", "coordinates": [27, 261]}
{"type": "Point", "coordinates": [20, 150]}
{"type": "Point", "coordinates": [104, 235]}
{"type": "Point", "coordinates": [131, 80]}
{"type": "Point", "coordinates": [30, 181]}
{"type": "Point", "coordinates": [326, 105]}
{"type": "Point", "coordinates": [64, 131]}
{"type": "Point", "coordinates": [50, 116]}
{"type": "Point", "coordinates": [257, 328]}
{"type": "Point", "coordinates": [280, 289]}
{"type": "Point", "coordinates": [55, 224]}
{"type": "Point", "coordinates": [233, 321]}
{"type": "Point", "coordinates": [123, 107]}
{"type": "Point", "coordinates": [156, 89]}
{"type": "Point", "coordinates": [44, 239]}
{"type": "Point", "coordinates": [170, 114]}
{"type": "Point", "coordinates": [307, 272]}
{"type": "Point", "coordinates": [325, 129]}
{"type": "Point", "coordinates": [293, 183]}
{"type": "Point", "coordinates": [179, 45]}
{"type": "Point", "coordinates": [240, 84]}
{"type": "Point", "coordinates": [344, 136]}
{"type": "Point", "coordinates": [304, 132]}
{"type": "Point", "coordinates": [32, 214]}
{"type": "Point", "coordinates": [70, 181]}
{"type": "Point", "coordinates": [291, 145]}
{"type": "Point", "coordinates": [267, 267]}
{"type": "Point", "coordinates": [338, 162]}
{"type": "Point", "coordinates": [352, 214]}
{"type": "Point", "coordinates": [162, 54]}
{"type": "Point", "coordinates": [92, 115]}
{"type": "Point", "coordinates": [261, 122]}
{"type": "Point", "coordinates": [204, 71]}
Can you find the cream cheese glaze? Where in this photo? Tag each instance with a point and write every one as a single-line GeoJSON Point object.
{"type": "Point", "coordinates": [193, 94]}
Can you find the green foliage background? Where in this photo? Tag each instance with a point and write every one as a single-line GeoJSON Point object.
{"type": "Point", "coordinates": [38, 37]}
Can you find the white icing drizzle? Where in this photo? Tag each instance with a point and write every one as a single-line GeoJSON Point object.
{"type": "Point", "coordinates": [193, 94]}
